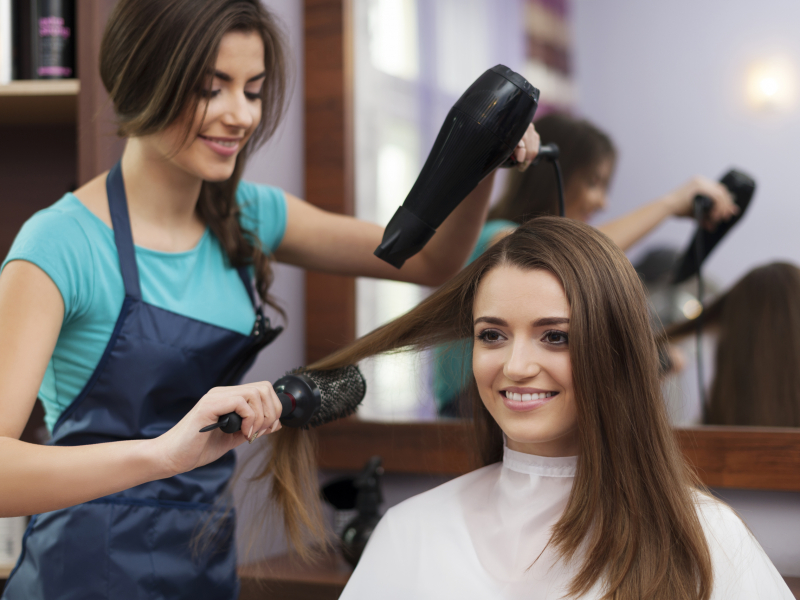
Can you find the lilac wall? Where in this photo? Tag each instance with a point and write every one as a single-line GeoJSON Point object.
{"type": "Point", "coordinates": [667, 81]}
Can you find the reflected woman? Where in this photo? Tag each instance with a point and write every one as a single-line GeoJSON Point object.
{"type": "Point", "coordinates": [757, 324]}
{"type": "Point", "coordinates": [583, 491]}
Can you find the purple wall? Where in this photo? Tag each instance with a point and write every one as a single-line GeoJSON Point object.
{"type": "Point", "coordinates": [667, 81]}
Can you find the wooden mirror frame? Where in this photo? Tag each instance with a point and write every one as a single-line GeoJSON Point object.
{"type": "Point", "coordinates": [732, 457]}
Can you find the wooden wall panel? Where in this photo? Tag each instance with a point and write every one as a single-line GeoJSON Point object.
{"type": "Point", "coordinates": [330, 299]}
{"type": "Point", "coordinates": [98, 146]}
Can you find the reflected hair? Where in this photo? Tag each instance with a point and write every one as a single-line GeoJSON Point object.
{"type": "Point", "coordinates": [631, 518]}
{"type": "Point", "coordinates": [757, 379]}
{"type": "Point", "coordinates": [533, 193]}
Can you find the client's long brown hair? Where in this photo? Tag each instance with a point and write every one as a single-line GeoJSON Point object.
{"type": "Point", "coordinates": [757, 380]}
{"type": "Point", "coordinates": [631, 519]}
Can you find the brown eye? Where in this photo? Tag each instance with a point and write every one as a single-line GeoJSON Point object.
{"type": "Point", "coordinates": [490, 335]}
{"type": "Point", "coordinates": [557, 338]}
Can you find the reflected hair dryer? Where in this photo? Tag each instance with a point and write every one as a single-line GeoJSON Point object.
{"type": "Point", "coordinates": [480, 133]}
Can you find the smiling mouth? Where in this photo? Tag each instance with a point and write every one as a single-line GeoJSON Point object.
{"type": "Point", "coordinates": [527, 397]}
{"type": "Point", "coordinates": [225, 142]}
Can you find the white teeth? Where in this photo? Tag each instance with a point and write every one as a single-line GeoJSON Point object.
{"type": "Point", "coordinates": [528, 397]}
{"type": "Point", "coordinates": [225, 143]}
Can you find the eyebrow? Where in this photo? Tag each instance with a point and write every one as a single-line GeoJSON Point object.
{"type": "Point", "coordinates": [226, 77]}
{"type": "Point", "coordinates": [543, 322]}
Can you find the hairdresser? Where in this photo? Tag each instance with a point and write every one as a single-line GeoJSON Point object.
{"type": "Point", "coordinates": [588, 158]}
{"type": "Point", "coordinates": [127, 308]}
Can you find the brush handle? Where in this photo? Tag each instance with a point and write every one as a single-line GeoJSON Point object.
{"type": "Point", "coordinates": [232, 422]}
{"type": "Point", "coordinates": [299, 397]}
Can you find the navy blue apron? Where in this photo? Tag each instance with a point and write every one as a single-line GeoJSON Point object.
{"type": "Point", "coordinates": [138, 543]}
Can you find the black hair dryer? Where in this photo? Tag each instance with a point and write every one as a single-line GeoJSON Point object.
{"type": "Point", "coordinates": [480, 133]}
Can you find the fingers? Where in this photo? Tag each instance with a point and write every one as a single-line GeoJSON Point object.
{"type": "Point", "coordinates": [722, 208]}
{"type": "Point", "coordinates": [272, 408]}
{"type": "Point", "coordinates": [527, 149]}
{"type": "Point", "coordinates": [256, 403]}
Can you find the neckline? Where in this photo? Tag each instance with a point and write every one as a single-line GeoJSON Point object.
{"type": "Point", "coordinates": [138, 248]}
{"type": "Point", "coordinates": [545, 466]}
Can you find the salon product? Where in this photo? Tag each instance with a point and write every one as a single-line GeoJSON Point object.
{"type": "Point", "coordinates": [368, 499]}
{"type": "Point", "coordinates": [480, 133]}
{"type": "Point", "coordinates": [310, 398]}
{"type": "Point", "coordinates": [54, 39]}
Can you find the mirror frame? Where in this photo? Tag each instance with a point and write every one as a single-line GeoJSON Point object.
{"type": "Point", "coordinates": [725, 457]}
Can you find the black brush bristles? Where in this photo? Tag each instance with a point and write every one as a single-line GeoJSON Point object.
{"type": "Point", "coordinates": [341, 391]}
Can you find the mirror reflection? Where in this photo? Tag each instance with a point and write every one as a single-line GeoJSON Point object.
{"type": "Point", "coordinates": [642, 133]}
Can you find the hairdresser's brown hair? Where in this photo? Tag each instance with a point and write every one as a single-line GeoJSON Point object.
{"type": "Point", "coordinates": [155, 58]}
{"type": "Point", "coordinates": [533, 193]}
{"type": "Point", "coordinates": [757, 379]}
{"type": "Point", "coordinates": [631, 518]}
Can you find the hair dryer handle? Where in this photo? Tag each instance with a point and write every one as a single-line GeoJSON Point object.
{"type": "Point", "coordinates": [546, 152]}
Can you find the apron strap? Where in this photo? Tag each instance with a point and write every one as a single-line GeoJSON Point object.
{"type": "Point", "coordinates": [244, 274]}
{"type": "Point", "coordinates": [118, 206]}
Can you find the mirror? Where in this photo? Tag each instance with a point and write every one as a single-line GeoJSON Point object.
{"type": "Point", "coordinates": [679, 97]}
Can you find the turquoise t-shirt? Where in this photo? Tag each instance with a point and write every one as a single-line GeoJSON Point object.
{"type": "Point", "coordinates": [453, 362]}
{"type": "Point", "coordinates": [77, 251]}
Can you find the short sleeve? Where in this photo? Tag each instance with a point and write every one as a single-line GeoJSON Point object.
{"type": "Point", "coordinates": [57, 244]}
{"type": "Point", "coordinates": [263, 210]}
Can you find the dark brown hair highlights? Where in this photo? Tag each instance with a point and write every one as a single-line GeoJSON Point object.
{"type": "Point", "coordinates": [582, 147]}
{"type": "Point", "coordinates": [631, 516]}
{"type": "Point", "coordinates": [155, 58]}
{"type": "Point", "coordinates": [757, 381]}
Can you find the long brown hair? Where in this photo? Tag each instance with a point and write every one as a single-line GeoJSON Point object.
{"type": "Point", "coordinates": [582, 147]}
{"type": "Point", "coordinates": [155, 58]}
{"type": "Point", "coordinates": [631, 514]}
{"type": "Point", "coordinates": [757, 381]}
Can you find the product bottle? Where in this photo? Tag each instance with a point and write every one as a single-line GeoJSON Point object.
{"type": "Point", "coordinates": [54, 39]}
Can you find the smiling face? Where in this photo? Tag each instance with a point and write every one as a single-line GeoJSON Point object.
{"type": "Point", "coordinates": [226, 117]}
{"type": "Point", "coordinates": [586, 192]}
{"type": "Point", "coordinates": [521, 359]}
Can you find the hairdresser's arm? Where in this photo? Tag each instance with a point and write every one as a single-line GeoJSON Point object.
{"type": "Point", "coordinates": [630, 228]}
{"type": "Point", "coordinates": [323, 241]}
{"type": "Point", "coordinates": [36, 478]}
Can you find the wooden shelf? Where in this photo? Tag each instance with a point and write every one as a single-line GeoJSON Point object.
{"type": "Point", "coordinates": [43, 101]}
{"type": "Point", "coordinates": [727, 457]}
{"type": "Point", "coordinates": [290, 579]}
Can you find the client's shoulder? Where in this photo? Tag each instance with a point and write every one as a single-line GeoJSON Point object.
{"type": "Point", "coordinates": [443, 500]}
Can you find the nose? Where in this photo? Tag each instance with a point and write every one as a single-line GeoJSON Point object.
{"type": "Point", "coordinates": [238, 112]}
{"type": "Point", "coordinates": [523, 362]}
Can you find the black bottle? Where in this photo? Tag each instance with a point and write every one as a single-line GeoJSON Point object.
{"type": "Point", "coordinates": [369, 497]}
{"type": "Point", "coordinates": [54, 39]}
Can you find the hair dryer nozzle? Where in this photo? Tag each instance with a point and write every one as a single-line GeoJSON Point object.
{"type": "Point", "coordinates": [404, 236]}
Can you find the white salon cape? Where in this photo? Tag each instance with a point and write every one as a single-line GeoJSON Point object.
{"type": "Point", "coordinates": [478, 535]}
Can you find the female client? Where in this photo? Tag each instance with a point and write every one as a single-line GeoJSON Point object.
{"type": "Point", "coordinates": [127, 307]}
{"type": "Point", "coordinates": [588, 159]}
{"type": "Point", "coordinates": [583, 491]}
